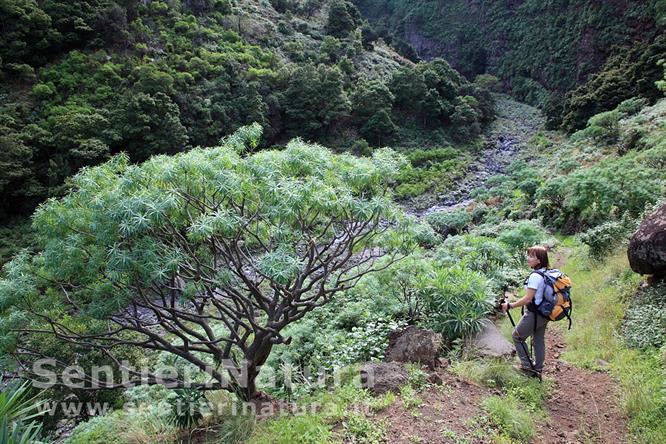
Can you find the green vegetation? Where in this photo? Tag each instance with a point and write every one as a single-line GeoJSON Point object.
{"type": "Point", "coordinates": [513, 415]}
{"type": "Point", "coordinates": [630, 72]}
{"type": "Point", "coordinates": [644, 323]}
{"type": "Point", "coordinates": [573, 60]}
{"type": "Point", "coordinates": [589, 179]}
{"type": "Point", "coordinates": [130, 235]}
{"type": "Point", "coordinates": [87, 80]}
{"type": "Point", "coordinates": [18, 408]}
{"type": "Point", "coordinates": [510, 418]}
{"type": "Point", "coordinates": [431, 171]}
{"type": "Point", "coordinates": [609, 289]}
{"type": "Point", "coordinates": [271, 254]}
{"type": "Point", "coordinates": [318, 427]}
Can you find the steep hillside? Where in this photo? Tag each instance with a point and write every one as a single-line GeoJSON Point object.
{"type": "Point", "coordinates": [83, 81]}
{"type": "Point", "coordinates": [541, 50]}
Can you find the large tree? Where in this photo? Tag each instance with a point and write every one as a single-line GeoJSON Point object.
{"type": "Point", "coordinates": [206, 255]}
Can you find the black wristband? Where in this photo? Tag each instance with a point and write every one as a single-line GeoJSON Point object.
{"type": "Point", "coordinates": [508, 305]}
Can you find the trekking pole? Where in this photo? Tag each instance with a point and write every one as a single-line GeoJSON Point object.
{"type": "Point", "coordinates": [529, 356]}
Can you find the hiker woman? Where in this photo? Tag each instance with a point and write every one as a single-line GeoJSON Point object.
{"type": "Point", "coordinates": [532, 323]}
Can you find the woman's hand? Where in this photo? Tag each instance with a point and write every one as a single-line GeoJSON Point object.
{"type": "Point", "coordinates": [505, 307]}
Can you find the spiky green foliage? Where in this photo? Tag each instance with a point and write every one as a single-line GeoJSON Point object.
{"type": "Point", "coordinates": [17, 408]}
{"type": "Point", "coordinates": [206, 255]}
{"type": "Point", "coordinates": [458, 301]}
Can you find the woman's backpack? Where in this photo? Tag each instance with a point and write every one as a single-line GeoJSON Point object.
{"type": "Point", "coordinates": [556, 302]}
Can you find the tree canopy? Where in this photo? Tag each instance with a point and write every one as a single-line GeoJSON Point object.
{"type": "Point", "coordinates": [206, 255]}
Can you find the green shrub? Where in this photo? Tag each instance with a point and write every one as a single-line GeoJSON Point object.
{"type": "Point", "coordinates": [410, 398]}
{"type": "Point", "coordinates": [98, 430]}
{"type": "Point", "coordinates": [236, 428]}
{"type": "Point", "coordinates": [602, 128]}
{"type": "Point", "coordinates": [591, 196]}
{"type": "Point", "coordinates": [352, 328]}
{"type": "Point", "coordinates": [449, 223]}
{"type": "Point", "coordinates": [518, 237]}
{"type": "Point", "coordinates": [421, 158]}
{"type": "Point", "coordinates": [147, 422]}
{"type": "Point", "coordinates": [603, 238]}
{"type": "Point", "coordinates": [17, 410]}
{"type": "Point", "coordinates": [436, 172]}
{"type": "Point", "coordinates": [632, 106]}
{"type": "Point", "coordinates": [361, 148]}
{"type": "Point", "coordinates": [425, 235]}
{"type": "Point", "coordinates": [633, 138]}
{"type": "Point", "coordinates": [382, 402]}
{"type": "Point", "coordinates": [645, 320]}
{"type": "Point", "coordinates": [417, 377]}
{"type": "Point", "coordinates": [477, 253]}
{"type": "Point", "coordinates": [306, 429]}
{"type": "Point", "coordinates": [186, 408]}
{"type": "Point", "coordinates": [458, 301]}
{"type": "Point", "coordinates": [482, 254]}
{"type": "Point", "coordinates": [358, 429]}
{"type": "Point", "coordinates": [488, 81]}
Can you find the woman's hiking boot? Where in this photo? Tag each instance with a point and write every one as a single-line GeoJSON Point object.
{"type": "Point", "coordinates": [527, 371]}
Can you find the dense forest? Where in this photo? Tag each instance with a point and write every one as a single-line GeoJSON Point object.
{"type": "Point", "coordinates": [83, 81]}
{"type": "Point", "coordinates": [193, 190]}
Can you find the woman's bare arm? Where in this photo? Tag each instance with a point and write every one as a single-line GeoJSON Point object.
{"type": "Point", "coordinates": [529, 296]}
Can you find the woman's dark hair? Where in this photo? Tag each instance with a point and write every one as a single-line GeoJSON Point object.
{"type": "Point", "coordinates": [540, 253]}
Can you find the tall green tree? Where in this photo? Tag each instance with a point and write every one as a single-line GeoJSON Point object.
{"type": "Point", "coordinates": [16, 165]}
{"type": "Point", "coordinates": [314, 100]}
{"type": "Point", "coordinates": [27, 32]}
{"type": "Point", "coordinates": [340, 20]}
{"type": "Point", "coordinates": [370, 97]}
{"type": "Point", "coordinates": [379, 129]}
{"type": "Point", "coordinates": [149, 124]}
{"type": "Point", "coordinates": [206, 255]}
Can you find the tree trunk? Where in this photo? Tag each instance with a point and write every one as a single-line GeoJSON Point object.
{"type": "Point", "coordinates": [256, 357]}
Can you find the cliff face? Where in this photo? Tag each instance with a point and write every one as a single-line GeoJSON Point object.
{"type": "Point", "coordinates": [535, 47]}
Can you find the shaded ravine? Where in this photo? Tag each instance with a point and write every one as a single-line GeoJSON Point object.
{"type": "Point", "coordinates": [508, 135]}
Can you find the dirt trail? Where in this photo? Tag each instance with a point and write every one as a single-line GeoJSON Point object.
{"type": "Point", "coordinates": [583, 406]}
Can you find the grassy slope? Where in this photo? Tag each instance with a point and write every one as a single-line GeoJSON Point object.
{"type": "Point", "coordinates": [602, 293]}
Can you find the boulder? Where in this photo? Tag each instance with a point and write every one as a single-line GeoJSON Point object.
{"type": "Point", "coordinates": [382, 377]}
{"type": "Point", "coordinates": [415, 344]}
{"type": "Point", "coordinates": [491, 343]}
{"type": "Point", "coordinates": [647, 247]}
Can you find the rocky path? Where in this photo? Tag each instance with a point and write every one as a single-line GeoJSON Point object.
{"type": "Point", "coordinates": [506, 137]}
{"type": "Point", "coordinates": [582, 408]}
